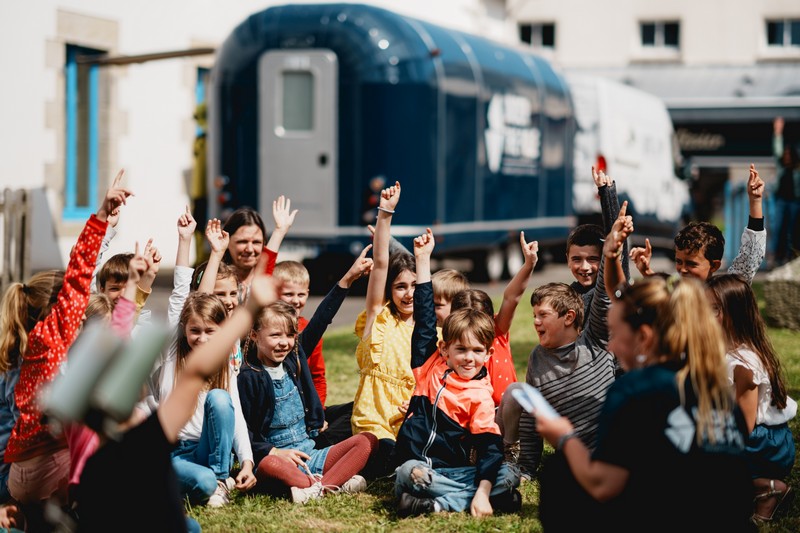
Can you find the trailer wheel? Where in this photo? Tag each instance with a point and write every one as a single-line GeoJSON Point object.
{"type": "Point", "coordinates": [514, 260]}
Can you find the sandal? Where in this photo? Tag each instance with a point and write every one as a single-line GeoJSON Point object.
{"type": "Point", "coordinates": [784, 502]}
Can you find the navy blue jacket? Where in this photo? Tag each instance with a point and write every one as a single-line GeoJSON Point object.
{"type": "Point", "coordinates": [257, 393]}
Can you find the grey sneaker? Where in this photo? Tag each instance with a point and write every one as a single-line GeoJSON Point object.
{"type": "Point", "coordinates": [307, 494]}
{"type": "Point", "coordinates": [354, 484]}
{"type": "Point", "coordinates": [222, 494]}
{"type": "Point", "coordinates": [511, 452]}
{"type": "Point", "coordinates": [412, 506]}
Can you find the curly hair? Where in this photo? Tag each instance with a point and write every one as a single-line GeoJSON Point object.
{"type": "Point", "coordinates": [701, 237]}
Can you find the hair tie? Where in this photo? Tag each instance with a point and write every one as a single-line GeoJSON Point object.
{"type": "Point", "coordinates": [24, 288]}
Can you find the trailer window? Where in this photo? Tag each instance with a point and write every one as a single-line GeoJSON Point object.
{"type": "Point", "coordinates": [298, 100]}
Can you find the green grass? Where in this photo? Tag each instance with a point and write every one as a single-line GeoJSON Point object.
{"type": "Point", "coordinates": [374, 510]}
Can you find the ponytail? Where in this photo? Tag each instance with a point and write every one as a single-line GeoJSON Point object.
{"type": "Point", "coordinates": [13, 335]}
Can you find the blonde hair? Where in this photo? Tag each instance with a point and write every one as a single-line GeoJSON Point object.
{"type": "Point", "coordinates": [681, 317]}
{"type": "Point", "coordinates": [448, 282]}
{"type": "Point", "coordinates": [292, 272]}
{"type": "Point", "coordinates": [22, 307]}
{"type": "Point", "coordinates": [208, 308]}
{"type": "Point", "coordinates": [278, 311]}
{"type": "Point", "coordinates": [99, 305]}
{"type": "Point", "coordinates": [465, 321]}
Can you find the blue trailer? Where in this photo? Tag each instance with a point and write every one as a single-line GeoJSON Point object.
{"type": "Point", "coordinates": [318, 102]}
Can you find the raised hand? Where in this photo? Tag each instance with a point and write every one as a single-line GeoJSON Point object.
{"type": "Point", "coordinates": [282, 213]}
{"type": "Point", "coordinates": [137, 266]}
{"type": "Point", "coordinates": [424, 244]}
{"type": "Point", "coordinates": [777, 125]}
{"type": "Point", "coordinates": [217, 237]}
{"type": "Point", "coordinates": [116, 197]}
{"type": "Point", "coordinates": [641, 258]}
{"type": "Point", "coordinates": [390, 196]}
{"type": "Point", "coordinates": [361, 267]}
{"type": "Point", "coordinates": [600, 178]}
{"type": "Point", "coordinates": [530, 250]}
{"type": "Point", "coordinates": [755, 185]}
{"type": "Point", "coordinates": [622, 228]}
{"type": "Point", "coordinates": [186, 224]}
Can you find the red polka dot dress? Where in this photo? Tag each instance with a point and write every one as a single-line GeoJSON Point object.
{"type": "Point", "coordinates": [48, 343]}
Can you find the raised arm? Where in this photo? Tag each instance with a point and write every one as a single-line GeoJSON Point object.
{"type": "Point", "coordinates": [284, 218]}
{"type": "Point", "coordinates": [516, 287]}
{"type": "Point", "coordinates": [753, 245]}
{"type": "Point", "coordinates": [380, 254]}
{"type": "Point", "coordinates": [613, 250]}
{"type": "Point", "coordinates": [218, 239]}
{"type": "Point", "coordinates": [207, 359]}
{"type": "Point", "coordinates": [641, 257]}
{"type": "Point", "coordinates": [609, 205]}
{"type": "Point", "coordinates": [183, 272]}
{"type": "Point", "coordinates": [186, 227]}
{"type": "Point", "coordinates": [423, 336]}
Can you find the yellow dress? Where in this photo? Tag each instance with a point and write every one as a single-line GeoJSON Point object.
{"type": "Point", "coordinates": [384, 363]}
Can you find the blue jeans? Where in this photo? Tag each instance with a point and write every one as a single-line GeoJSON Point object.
{"type": "Point", "coordinates": [200, 463]}
{"type": "Point", "coordinates": [786, 215]}
{"type": "Point", "coordinates": [452, 488]}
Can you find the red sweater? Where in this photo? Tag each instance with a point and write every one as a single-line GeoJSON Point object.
{"type": "Point", "coordinates": [317, 365]}
{"type": "Point", "coordinates": [48, 343]}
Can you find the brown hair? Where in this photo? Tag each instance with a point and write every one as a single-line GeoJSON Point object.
{"type": "Point", "coordinates": [279, 311]}
{"type": "Point", "coordinates": [468, 321]}
{"type": "Point", "coordinates": [208, 308]}
{"type": "Point", "coordinates": [115, 270]}
{"type": "Point", "coordinates": [743, 324]}
{"type": "Point", "coordinates": [398, 263]}
{"type": "Point", "coordinates": [679, 312]}
{"type": "Point", "coordinates": [244, 216]}
{"type": "Point", "coordinates": [224, 271]}
{"type": "Point", "coordinates": [22, 307]}
{"type": "Point", "coordinates": [561, 298]}
{"type": "Point", "coordinates": [473, 299]}
{"type": "Point", "coordinates": [447, 282]}
{"type": "Point", "coordinates": [586, 235]}
{"type": "Point", "coordinates": [701, 237]}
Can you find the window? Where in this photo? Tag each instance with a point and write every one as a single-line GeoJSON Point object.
{"type": "Point", "coordinates": [538, 35]}
{"type": "Point", "coordinates": [660, 34]}
{"type": "Point", "coordinates": [82, 121]}
{"type": "Point", "coordinates": [298, 100]}
{"type": "Point", "coordinates": [783, 32]}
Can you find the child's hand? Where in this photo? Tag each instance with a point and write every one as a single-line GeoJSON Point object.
{"type": "Point", "coordinates": [116, 197]}
{"type": "Point", "coordinates": [153, 258]}
{"type": "Point", "coordinates": [186, 225]}
{"type": "Point", "coordinates": [282, 213]}
{"type": "Point", "coordinates": [424, 244]}
{"type": "Point", "coordinates": [622, 228]}
{"type": "Point", "coordinates": [403, 407]}
{"type": "Point", "coordinates": [480, 505]}
{"type": "Point", "coordinates": [530, 250]}
{"type": "Point", "coordinates": [137, 266]}
{"type": "Point", "coordinates": [600, 178]}
{"type": "Point", "coordinates": [217, 237]}
{"type": "Point", "coordinates": [361, 267]}
{"type": "Point", "coordinates": [295, 456]}
{"type": "Point", "coordinates": [245, 480]}
{"type": "Point", "coordinates": [641, 258]}
{"type": "Point", "coordinates": [755, 185]}
{"type": "Point", "coordinates": [8, 516]}
{"type": "Point", "coordinates": [390, 196]}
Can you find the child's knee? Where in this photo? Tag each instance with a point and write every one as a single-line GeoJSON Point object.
{"type": "Point", "coordinates": [218, 400]}
{"type": "Point", "coordinates": [205, 483]}
{"type": "Point", "coordinates": [415, 473]}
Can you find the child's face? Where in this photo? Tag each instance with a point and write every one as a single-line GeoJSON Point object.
{"type": "Point", "coordinates": [403, 293]}
{"type": "Point", "coordinates": [273, 341]}
{"type": "Point", "coordinates": [113, 289]}
{"type": "Point", "coordinates": [623, 341]}
{"type": "Point", "coordinates": [716, 307]}
{"type": "Point", "coordinates": [553, 330]}
{"type": "Point", "coordinates": [442, 307]}
{"type": "Point", "coordinates": [466, 356]}
{"type": "Point", "coordinates": [245, 246]}
{"type": "Point", "coordinates": [295, 294]}
{"type": "Point", "coordinates": [584, 261]}
{"type": "Point", "coordinates": [228, 291]}
{"type": "Point", "coordinates": [198, 331]}
{"type": "Point", "coordinates": [694, 264]}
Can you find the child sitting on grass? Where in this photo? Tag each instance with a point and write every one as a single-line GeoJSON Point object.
{"type": "Point", "coordinates": [450, 418]}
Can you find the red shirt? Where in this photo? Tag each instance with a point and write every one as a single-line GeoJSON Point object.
{"type": "Point", "coordinates": [317, 365]}
{"type": "Point", "coordinates": [48, 343]}
{"type": "Point", "coordinates": [500, 366]}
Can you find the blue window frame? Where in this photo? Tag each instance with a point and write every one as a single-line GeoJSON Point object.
{"type": "Point", "coordinates": [82, 124]}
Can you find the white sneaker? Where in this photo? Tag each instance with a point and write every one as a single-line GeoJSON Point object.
{"type": "Point", "coordinates": [354, 484]}
{"type": "Point", "coordinates": [307, 494]}
{"type": "Point", "coordinates": [222, 494]}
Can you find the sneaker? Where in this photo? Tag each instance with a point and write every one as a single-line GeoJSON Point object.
{"type": "Point", "coordinates": [354, 484]}
{"type": "Point", "coordinates": [511, 452]}
{"type": "Point", "coordinates": [222, 494]}
{"type": "Point", "coordinates": [412, 506]}
{"type": "Point", "coordinates": [307, 494]}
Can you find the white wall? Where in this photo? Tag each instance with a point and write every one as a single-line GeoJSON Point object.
{"type": "Point", "coordinates": [153, 102]}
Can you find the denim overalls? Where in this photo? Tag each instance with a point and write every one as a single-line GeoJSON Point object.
{"type": "Point", "coordinates": [288, 427]}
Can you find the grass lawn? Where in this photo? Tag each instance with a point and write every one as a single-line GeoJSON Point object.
{"type": "Point", "coordinates": [374, 509]}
